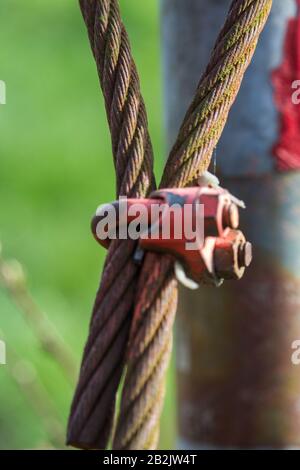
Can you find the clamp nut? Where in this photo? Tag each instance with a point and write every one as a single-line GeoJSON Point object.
{"type": "Point", "coordinates": [232, 255]}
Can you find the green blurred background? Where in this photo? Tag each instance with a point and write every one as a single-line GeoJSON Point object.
{"type": "Point", "coordinates": [56, 167]}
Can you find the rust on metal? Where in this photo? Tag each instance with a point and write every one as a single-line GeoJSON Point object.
{"type": "Point", "coordinates": [222, 254]}
{"type": "Point", "coordinates": [237, 384]}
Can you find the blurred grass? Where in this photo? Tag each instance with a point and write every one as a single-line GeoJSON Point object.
{"type": "Point", "coordinates": [56, 167]}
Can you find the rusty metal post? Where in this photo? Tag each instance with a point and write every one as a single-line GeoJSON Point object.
{"type": "Point", "coordinates": [237, 385]}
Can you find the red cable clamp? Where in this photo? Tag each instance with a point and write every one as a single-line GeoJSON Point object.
{"type": "Point", "coordinates": [198, 226]}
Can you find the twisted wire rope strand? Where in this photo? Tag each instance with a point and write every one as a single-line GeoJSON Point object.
{"type": "Point", "coordinates": [92, 410]}
{"type": "Point", "coordinates": [190, 156]}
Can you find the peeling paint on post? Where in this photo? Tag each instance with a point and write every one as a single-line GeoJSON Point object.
{"type": "Point", "coordinates": [237, 384]}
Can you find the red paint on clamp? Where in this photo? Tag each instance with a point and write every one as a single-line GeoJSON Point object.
{"type": "Point", "coordinates": [220, 252]}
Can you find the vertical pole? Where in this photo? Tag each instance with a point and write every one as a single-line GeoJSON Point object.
{"type": "Point", "coordinates": [237, 385]}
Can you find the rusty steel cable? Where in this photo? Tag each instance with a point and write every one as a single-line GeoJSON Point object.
{"type": "Point", "coordinates": [93, 405]}
{"type": "Point", "coordinates": [151, 334]}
